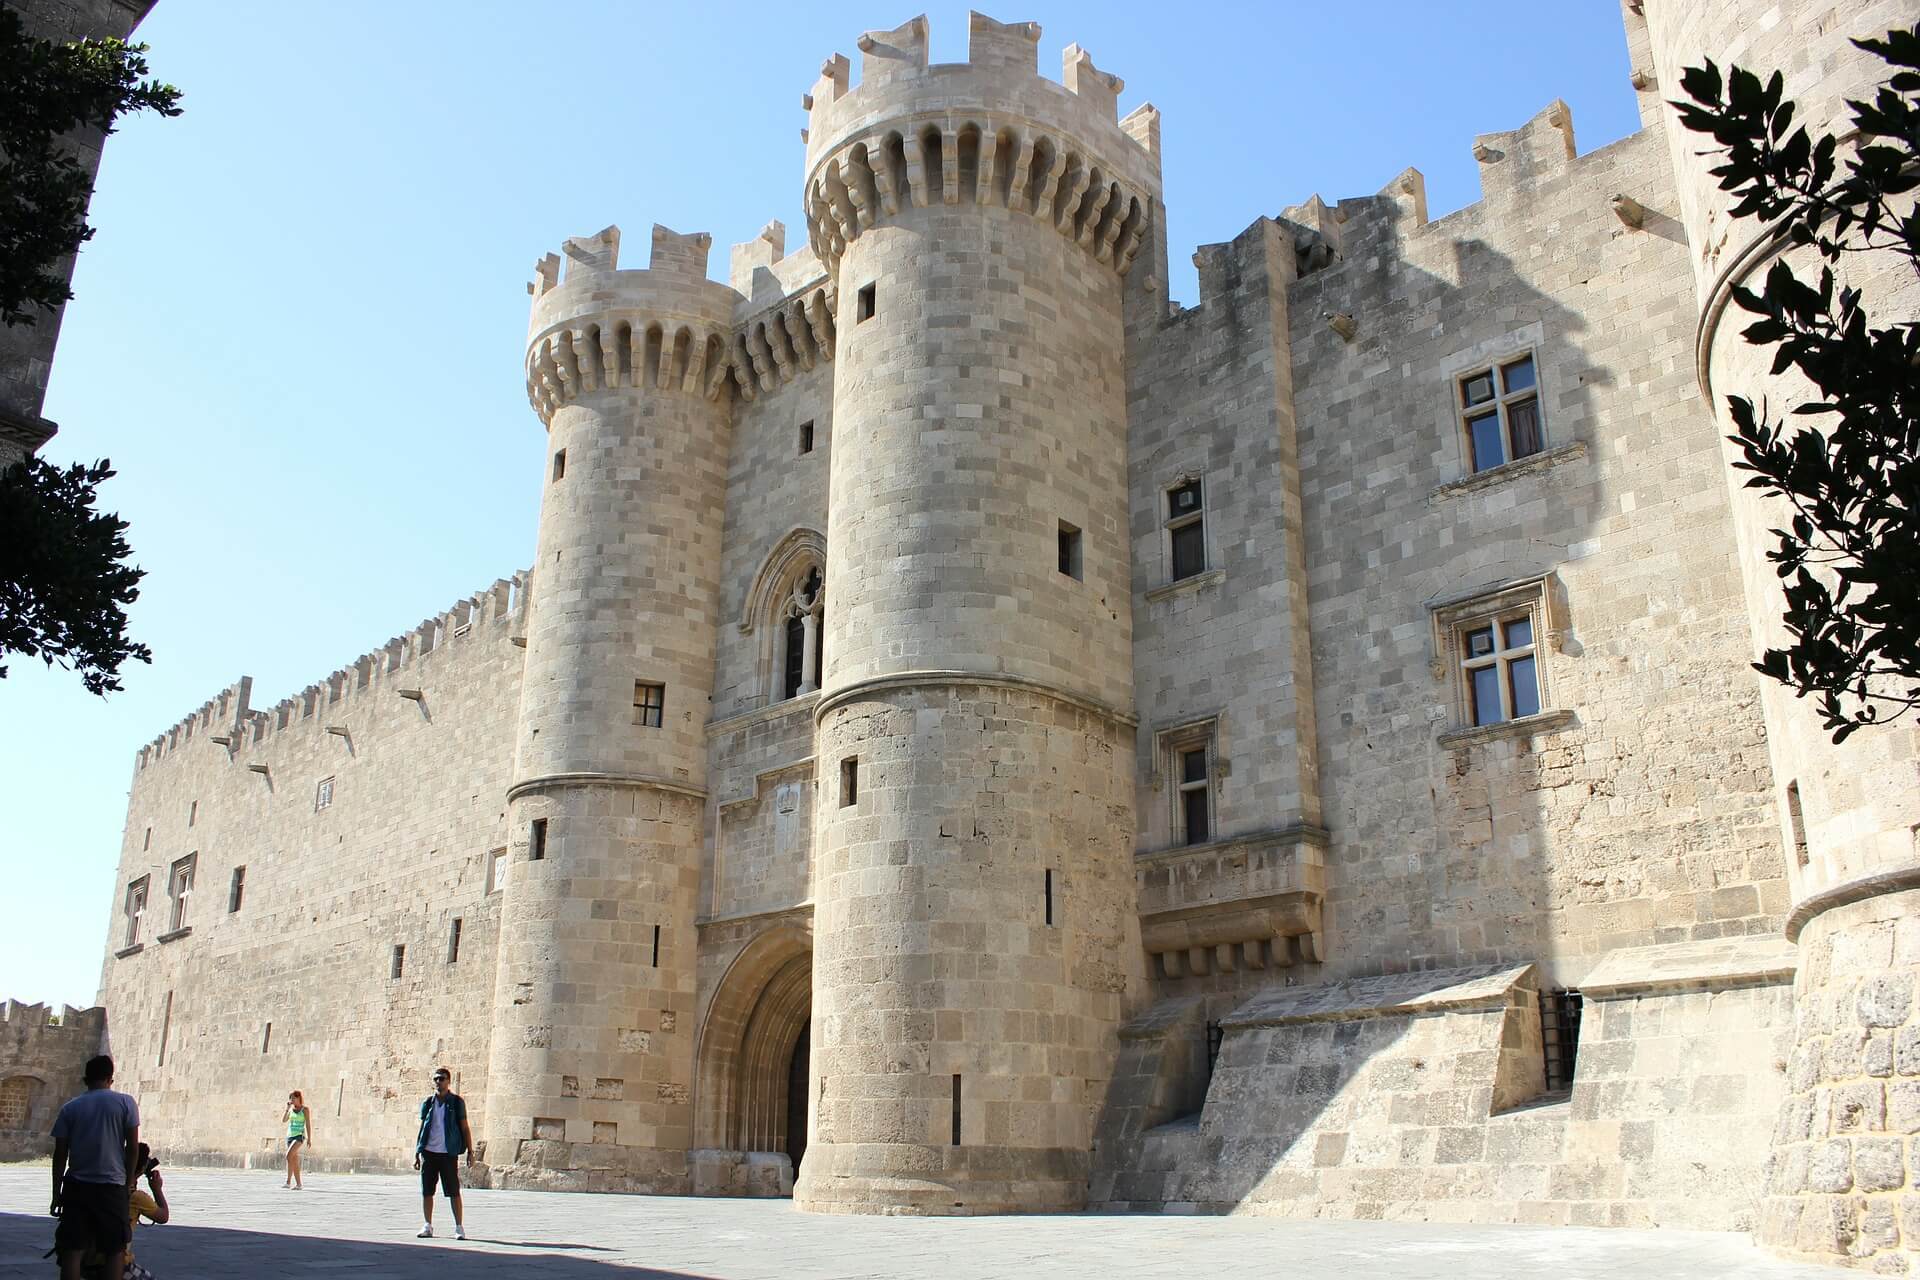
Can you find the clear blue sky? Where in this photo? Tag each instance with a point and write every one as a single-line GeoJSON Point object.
{"type": "Point", "coordinates": [299, 329]}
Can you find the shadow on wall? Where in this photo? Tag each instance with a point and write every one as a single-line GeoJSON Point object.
{"type": "Point", "coordinates": [1553, 842]}
{"type": "Point", "coordinates": [205, 1251]}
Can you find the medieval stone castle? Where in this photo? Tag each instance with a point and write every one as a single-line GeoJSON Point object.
{"type": "Point", "coordinates": [978, 737]}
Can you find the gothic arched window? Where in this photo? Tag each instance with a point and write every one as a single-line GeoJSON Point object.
{"type": "Point", "coordinates": [805, 610]}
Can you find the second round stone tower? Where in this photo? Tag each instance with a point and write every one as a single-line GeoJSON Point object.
{"type": "Point", "coordinates": [973, 885]}
{"type": "Point", "coordinates": [591, 1066]}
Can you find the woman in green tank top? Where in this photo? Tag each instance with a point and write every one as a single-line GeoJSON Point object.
{"type": "Point", "coordinates": [299, 1123]}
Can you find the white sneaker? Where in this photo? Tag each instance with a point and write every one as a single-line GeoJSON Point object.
{"type": "Point", "coordinates": [425, 1232]}
{"type": "Point", "coordinates": [459, 1232]}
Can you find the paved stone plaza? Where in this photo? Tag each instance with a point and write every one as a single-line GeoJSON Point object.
{"type": "Point", "coordinates": [241, 1224]}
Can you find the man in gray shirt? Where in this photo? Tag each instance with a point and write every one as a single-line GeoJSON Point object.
{"type": "Point", "coordinates": [96, 1138]}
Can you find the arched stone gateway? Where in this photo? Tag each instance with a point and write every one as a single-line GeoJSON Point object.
{"type": "Point", "coordinates": [751, 1069]}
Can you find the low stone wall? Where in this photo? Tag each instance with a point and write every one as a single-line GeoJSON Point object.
{"type": "Point", "coordinates": [1420, 1097]}
{"type": "Point", "coordinates": [43, 1053]}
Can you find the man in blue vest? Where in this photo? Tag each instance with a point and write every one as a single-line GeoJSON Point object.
{"type": "Point", "coordinates": [444, 1137]}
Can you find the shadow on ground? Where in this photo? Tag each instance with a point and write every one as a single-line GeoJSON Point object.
{"type": "Point", "coordinates": [176, 1252]}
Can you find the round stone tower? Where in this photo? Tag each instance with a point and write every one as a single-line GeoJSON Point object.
{"type": "Point", "coordinates": [592, 1055]}
{"type": "Point", "coordinates": [1844, 1182]}
{"type": "Point", "coordinates": [974, 920]}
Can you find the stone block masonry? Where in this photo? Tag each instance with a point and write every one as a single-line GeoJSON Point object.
{"type": "Point", "coordinates": [43, 1055]}
{"type": "Point", "coordinates": [980, 737]}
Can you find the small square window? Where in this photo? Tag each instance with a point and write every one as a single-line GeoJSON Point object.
{"type": "Point", "coordinates": [1070, 550]}
{"type": "Point", "coordinates": [849, 781]}
{"type": "Point", "coordinates": [1501, 422]}
{"type": "Point", "coordinates": [559, 464]}
{"type": "Point", "coordinates": [863, 305]}
{"type": "Point", "coordinates": [537, 840]}
{"type": "Point", "coordinates": [806, 438]}
{"type": "Point", "coordinates": [649, 703]}
{"type": "Point", "coordinates": [323, 794]}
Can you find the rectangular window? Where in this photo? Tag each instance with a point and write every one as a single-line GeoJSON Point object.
{"type": "Point", "coordinates": [180, 890]}
{"type": "Point", "coordinates": [1497, 658]}
{"type": "Point", "coordinates": [1195, 816]}
{"type": "Point", "coordinates": [323, 794]}
{"type": "Point", "coordinates": [496, 870]}
{"type": "Point", "coordinates": [1186, 530]}
{"type": "Point", "coordinates": [266, 1038]}
{"type": "Point", "coordinates": [193, 811]}
{"type": "Point", "coordinates": [537, 840]}
{"type": "Point", "coordinates": [399, 963]}
{"type": "Point", "coordinates": [453, 941]}
{"type": "Point", "coordinates": [656, 946]}
{"type": "Point", "coordinates": [863, 308]}
{"type": "Point", "coordinates": [559, 464]}
{"type": "Point", "coordinates": [806, 438]}
{"type": "Point", "coordinates": [146, 841]}
{"type": "Point", "coordinates": [1047, 892]}
{"type": "Point", "coordinates": [649, 703]}
{"type": "Point", "coordinates": [236, 889]}
{"type": "Point", "coordinates": [1499, 411]}
{"type": "Point", "coordinates": [166, 1029]}
{"type": "Point", "coordinates": [136, 908]}
{"type": "Point", "coordinates": [1070, 550]}
{"type": "Point", "coordinates": [849, 781]}
{"type": "Point", "coordinates": [956, 1109]}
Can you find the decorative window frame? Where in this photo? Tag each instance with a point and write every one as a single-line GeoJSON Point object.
{"type": "Point", "coordinates": [323, 793]}
{"type": "Point", "coordinates": [1557, 444]}
{"type": "Point", "coordinates": [180, 888]}
{"type": "Point", "coordinates": [140, 887]}
{"type": "Point", "coordinates": [1170, 741]}
{"type": "Point", "coordinates": [1541, 598]}
{"type": "Point", "coordinates": [1164, 521]}
{"type": "Point", "coordinates": [763, 613]}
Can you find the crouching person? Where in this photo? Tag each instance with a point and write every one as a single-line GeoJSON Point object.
{"type": "Point", "coordinates": [150, 1204]}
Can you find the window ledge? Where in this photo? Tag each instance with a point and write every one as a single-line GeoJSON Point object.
{"type": "Point", "coordinates": [1524, 727]}
{"type": "Point", "coordinates": [1207, 578]}
{"type": "Point", "coordinates": [1494, 476]}
{"type": "Point", "coordinates": [133, 950]}
{"type": "Point", "coordinates": [181, 932]}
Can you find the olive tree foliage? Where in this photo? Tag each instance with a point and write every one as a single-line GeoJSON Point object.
{"type": "Point", "coordinates": [1846, 459]}
{"type": "Point", "coordinates": [64, 580]}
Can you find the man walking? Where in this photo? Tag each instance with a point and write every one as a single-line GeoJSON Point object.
{"type": "Point", "coordinates": [444, 1136]}
{"type": "Point", "coordinates": [96, 1140]}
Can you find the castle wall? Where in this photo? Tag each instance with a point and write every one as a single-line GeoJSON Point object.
{"type": "Point", "coordinates": [1614, 820]}
{"type": "Point", "coordinates": [43, 1055]}
{"type": "Point", "coordinates": [418, 803]}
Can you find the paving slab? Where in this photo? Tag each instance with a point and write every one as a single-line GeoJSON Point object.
{"type": "Point", "coordinates": [229, 1224]}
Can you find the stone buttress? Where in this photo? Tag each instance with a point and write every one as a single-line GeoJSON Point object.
{"type": "Point", "coordinates": [974, 916]}
{"type": "Point", "coordinates": [592, 1056]}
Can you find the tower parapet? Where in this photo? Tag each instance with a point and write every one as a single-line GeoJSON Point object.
{"type": "Point", "coordinates": [988, 131]}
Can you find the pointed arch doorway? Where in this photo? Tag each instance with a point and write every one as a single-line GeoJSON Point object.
{"type": "Point", "coordinates": [754, 1055]}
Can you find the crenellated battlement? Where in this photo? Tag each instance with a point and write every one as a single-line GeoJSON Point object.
{"type": "Point", "coordinates": [596, 327]}
{"type": "Point", "coordinates": [231, 724]}
{"type": "Point", "coordinates": [989, 131]}
{"type": "Point", "coordinates": [66, 1019]}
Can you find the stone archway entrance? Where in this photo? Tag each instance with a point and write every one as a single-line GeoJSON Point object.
{"type": "Point", "coordinates": [750, 1113]}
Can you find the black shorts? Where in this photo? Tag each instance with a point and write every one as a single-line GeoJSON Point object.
{"type": "Point", "coordinates": [93, 1215]}
{"type": "Point", "coordinates": [437, 1166]}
